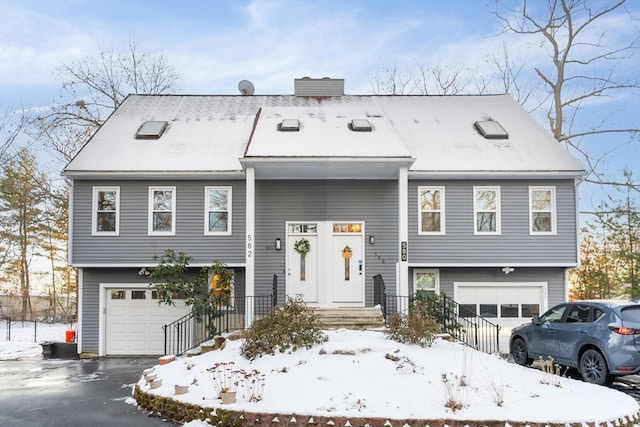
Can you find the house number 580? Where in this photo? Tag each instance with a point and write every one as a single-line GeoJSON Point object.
{"type": "Point", "coordinates": [249, 245]}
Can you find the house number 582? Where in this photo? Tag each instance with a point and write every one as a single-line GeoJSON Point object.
{"type": "Point", "coordinates": [249, 245]}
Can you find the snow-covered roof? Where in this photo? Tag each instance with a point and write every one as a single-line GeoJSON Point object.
{"type": "Point", "coordinates": [219, 135]}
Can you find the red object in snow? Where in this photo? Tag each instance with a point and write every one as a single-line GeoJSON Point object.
{"type": "Point", "coordinates": [166, 359]}
{"type": "Point", "coordinates": [70, 336]}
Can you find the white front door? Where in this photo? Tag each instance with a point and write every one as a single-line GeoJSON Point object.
{"type": "Point", "coordinates": [347, 262]}
{"type": "Point", "coordinates": [325, 263]}
{"type": "Point", "coordinates": [302, 257]}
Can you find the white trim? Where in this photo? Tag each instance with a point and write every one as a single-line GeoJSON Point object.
{"type": "Point", "coordinates": [519, 175]}
{"type": "Point", "coordinates": [441, 232]}
{"type": "Point", "coordinates": [498, 229]}
{"type": "Point", "coordinates": [417, 271]}
{"type": "Point", "coordinates": [79, 326]}
{"type": "Point", "coordinates": [72, 189]}
{"type": "Point", "coordinates": [490, 265]}
{"type": "Point", "coordinates": [150, 211]}
{"type": "Point", "coordinates": [94, 209]}
{"type": "Point", "coordinates": [138, 265]}
{"type": "Point", "coordinates": [576, 196]}
{"type": "Point", "coordinates": [402, 283]}
{"type": "Point", "coordinates": [552, 210]}
{"type": "Point", "coordinates": [102, 310]}
{"type": "Point", "coordinates": [229, 211]}
{"type": "Point", "coordinates": [145, 174]}
{"type": "Point", "coordinates": [543, 285]}
{"type": "Point", "coordinates": [250, 244]}
{"type": "Point", "coordinates": [324, 233]}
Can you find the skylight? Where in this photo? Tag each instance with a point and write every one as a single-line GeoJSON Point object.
{"type": "Point", "coordinates": [491, 129]}
{"type": "Point", "coordinates": [151, 130]}
{"type": "Point", "coordinates": [289, 125]}
{"type": "Point", "coordinates": [360, 125]}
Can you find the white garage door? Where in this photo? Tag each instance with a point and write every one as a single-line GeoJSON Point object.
{"type": "Point", "coordinates": [134, 320]}
{"type": "Point", "coordinates": [506, 304]}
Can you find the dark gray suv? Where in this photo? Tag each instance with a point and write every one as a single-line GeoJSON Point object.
{"type": "Point", "coordinates": [599, 338]}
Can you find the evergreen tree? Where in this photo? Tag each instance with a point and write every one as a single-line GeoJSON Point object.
{"type": "Point", "coordinates": [21, 197]}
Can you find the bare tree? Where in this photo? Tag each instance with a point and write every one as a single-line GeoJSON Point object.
{"type": "Point", "coordinates": [95, 86]}
{"type": "Point", "coordinates": [393, 81]}
{"type": "Point", "coordinates": [508, 76]}
{"type": "Point", "coordinates": [436, 80]}
{"type": "Point", "coordinates": [504, 76]}
{"type": "Point", "coordinates": [586, 63]}
{"type": "Point", "coordinates": [12, 125]}
{"type": "Point", "coordinates": [444, 80]}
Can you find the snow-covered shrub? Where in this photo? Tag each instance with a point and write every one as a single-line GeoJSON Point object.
{"type": "Point", "coordinates": [289, 327]}
{"type": "Point", "coordinates": [416, 327]}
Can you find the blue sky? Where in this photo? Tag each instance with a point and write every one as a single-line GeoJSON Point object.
{"type": "Point", "coordinates": [214, 44]}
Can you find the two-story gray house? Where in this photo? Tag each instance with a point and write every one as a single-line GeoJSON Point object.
{"type": "Point", "coordinates": [467, 195]}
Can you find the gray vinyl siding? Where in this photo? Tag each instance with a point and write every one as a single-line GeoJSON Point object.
{"type": "Point", "coordinates": [374, 202]}
{"type": "Point", "coordinates": [91, 278]}
{"type": "Point", "coordinates": [554, 277]}
{"type": "Point", "coordinates": [513, 246]}
{"type": "Point", "coordinates": [134, 245]}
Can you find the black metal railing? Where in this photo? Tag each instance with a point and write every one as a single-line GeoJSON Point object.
{"type": "Point", "coordinates": [461, 323]}
{"type": "Point", "coordinates": [202, 325]}
{"type": "Point", "coordinates": [7, 321]}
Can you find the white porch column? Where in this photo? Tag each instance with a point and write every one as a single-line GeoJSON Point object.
{"type": "Point", "coordinates": [402, 286]}
{"type": "Point", "coordinates": [250, 245]}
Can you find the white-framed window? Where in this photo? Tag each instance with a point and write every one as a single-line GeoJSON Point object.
{"type": "Point", "coordinates": [542, 210]}
{"type": "Point", "coordinates": [486, 210]}
{"type": "Point", "coordinates": [426, 281]}
{"type": "Point", "coordinates": [105, 220]}
{"type": "Point", "coordinates": [162, 211]}
{"type": "Point", "coordinates": [431, 206]}
{"type": "Point", "coordinates": [217, 210]}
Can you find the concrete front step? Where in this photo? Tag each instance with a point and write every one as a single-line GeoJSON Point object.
{"type": "Point", "coordinates": [329, 318]}
{"type": "Point", "coordinates": [351, 318]}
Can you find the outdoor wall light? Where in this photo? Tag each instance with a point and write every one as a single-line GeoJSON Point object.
{"type": "Point", "coordinates": [372, 240]}
{"type": "Point", "coordinates": [278, 244]}
{"type": "Point", "coordinates": [143, 272]}
{"type": "Point", "coordinates": [507, 270]}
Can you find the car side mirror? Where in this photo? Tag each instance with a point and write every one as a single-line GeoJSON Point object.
{"type": "Point", "coordinates": [536, 320]}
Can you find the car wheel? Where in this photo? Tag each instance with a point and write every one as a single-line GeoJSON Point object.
{"type": "Point", "coordinates": [519, 352]}
{"type": "Point", "coordinates": [593, 368]}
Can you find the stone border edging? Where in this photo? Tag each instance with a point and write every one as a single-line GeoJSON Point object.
{"type": "Point", "coordinates": [185, 412]}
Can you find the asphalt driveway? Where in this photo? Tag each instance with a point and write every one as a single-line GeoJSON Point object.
{"type": "Point", "coordinates": [56, 392]}
{"type": "Point", "coordinates": [97, 392]}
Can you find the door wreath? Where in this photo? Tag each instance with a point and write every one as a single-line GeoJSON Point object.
{"type": "Point", "coordinates": [303, 247]}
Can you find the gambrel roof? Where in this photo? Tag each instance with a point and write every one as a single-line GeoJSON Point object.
{"type": "Point", "coordinates": [208, 135]}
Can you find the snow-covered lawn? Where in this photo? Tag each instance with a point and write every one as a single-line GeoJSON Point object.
{"type": "Point", "coordinates": [26, 339]}
{"type": "Point", "coordinates": [363, 374]}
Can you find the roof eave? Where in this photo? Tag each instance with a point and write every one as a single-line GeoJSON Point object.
{"type": "Point", "coordinates": [119, 174]}
{"type": "Point", "coordinates": [327, 167]}
{"type": "Point", "coordinates": [511, 174]}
